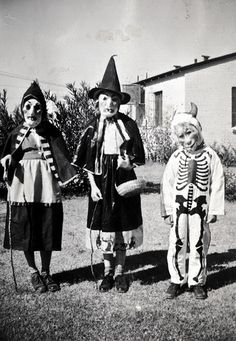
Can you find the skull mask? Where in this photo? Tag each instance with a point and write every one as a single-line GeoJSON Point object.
{"type": "Point", "coordinates": [32, 111]}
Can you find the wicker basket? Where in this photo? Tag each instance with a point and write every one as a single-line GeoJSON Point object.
{"type": "Point", "coordinates": [131, 188]}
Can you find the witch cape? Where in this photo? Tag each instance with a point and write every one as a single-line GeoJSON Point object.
{"type": "Point", "coordinates": [87, 149]}
{"type": "Point", "coordinates": [58, 152]}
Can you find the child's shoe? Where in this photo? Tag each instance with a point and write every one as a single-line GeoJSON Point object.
{"type": "Point", "coordinates": [199, 292]}
{"type": "Point", "coordinates": [172, 291]}
{"type": "Point", "coordinates": [121, 283]}
{"type": "Point", "coordinates": [51, 285]}
{"type": "Point", "coordinates": [107, 283]}
{"type": "Point", "coordinates": [38, 283]}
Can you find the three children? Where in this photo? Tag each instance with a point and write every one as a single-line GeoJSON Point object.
{"type": "Point", "coordinates": [37, 163]}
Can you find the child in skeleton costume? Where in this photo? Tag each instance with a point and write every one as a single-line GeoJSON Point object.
{"type": "Point", "coordinates": [36, 163]}
{"type": "Point", "coordinates": [109, 149]}
{"type": "Point", "coordinates": [192, 197]}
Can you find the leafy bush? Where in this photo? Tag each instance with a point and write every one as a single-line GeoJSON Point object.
{"type": "Point", "coordinates": [158, 144]}
{"type": "Point", "coordinates": [230, 185]}
{"type": "Point", "coordinates": [6, 122]}
{"type": "Point", "coordinates": [227, 154]}
{"type": "Point", "coordinates": [75, 111]}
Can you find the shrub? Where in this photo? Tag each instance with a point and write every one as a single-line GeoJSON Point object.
{"type": "Point", "coordinates": [158, 144]}
{"type": "Point", "coordinates": [6, 122]}
{"type": "Point", "coordinates": [75, 111]}
{"type": "Point", "coordinates": [230, 185]}
{"type": "Point", "coordinates": [227, 154]}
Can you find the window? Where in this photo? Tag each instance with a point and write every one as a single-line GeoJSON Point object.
{"type": "Point", "coordinates": [158, 109]}
{"type": "Point", "coordinates": [233, 106]}
{"type": "Point", "coordinates": [142, 95]}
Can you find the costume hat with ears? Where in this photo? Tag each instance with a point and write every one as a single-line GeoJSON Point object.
{"type": "Point", "coordinates": [110, 82]}
{"type": "Point", "coordinates": [187, 117]}
{"type": "Point", "coordinates": [35, 92]}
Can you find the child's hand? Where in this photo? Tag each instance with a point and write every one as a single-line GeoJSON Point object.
{"type": "Point", "coordinates": [124, 162]}
{"type": "Point", "coordinates": [6, 160]}
{"type": "Point", "coordinates": [212, 218]}
{"type": "Point", "coordinates": [96, 194]}
{"type": "Point", "coordinates": [169, 220]}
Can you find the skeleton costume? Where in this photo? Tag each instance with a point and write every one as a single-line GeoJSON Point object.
{"type": "Point", "coordinates": [192, 189]}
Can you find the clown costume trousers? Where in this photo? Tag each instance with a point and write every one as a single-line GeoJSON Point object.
{"type": "Point", "coordinates": [189, 236]}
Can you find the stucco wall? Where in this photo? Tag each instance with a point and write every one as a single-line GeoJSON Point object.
{"type": "Point", "coordinates": [173, 97]}
{"type": "Point", "coordinates": [211, 90]}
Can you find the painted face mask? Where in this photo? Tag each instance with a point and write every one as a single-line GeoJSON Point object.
{"type": "Point", "coordinates": [108, 104]}
{"type": "Point", "coordinates": [188, 136]}
{"type": "Point", "coordinates": [32, 112]}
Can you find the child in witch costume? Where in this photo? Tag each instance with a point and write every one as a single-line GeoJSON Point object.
{"type": "Point", "coordinates": [36, 162]}
{"type": "Point", "coordinates": [192, 197]}
{"type": "Point", "coordinates": [108, 150]}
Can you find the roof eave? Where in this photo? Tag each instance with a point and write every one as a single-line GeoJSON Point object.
{"type": "Point", "coordinates": [185, 68]}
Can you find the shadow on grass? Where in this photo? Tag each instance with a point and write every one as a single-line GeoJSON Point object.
{"type": "Point", "coordinates": [224, 275]}
{"type": "Point", "coordinates": [156, 259]}
{"type": "Point", "coordinates": [157, 269]}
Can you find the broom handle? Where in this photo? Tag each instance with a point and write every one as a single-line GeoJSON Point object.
{"type": "Point", "coordinates": [10, 239]}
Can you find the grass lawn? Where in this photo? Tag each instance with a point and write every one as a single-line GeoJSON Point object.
{"type": "Point", "coordinates": [80, 312]}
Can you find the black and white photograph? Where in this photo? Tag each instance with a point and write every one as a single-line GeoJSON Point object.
{"type": "Point", "coordinates": [118, 170]}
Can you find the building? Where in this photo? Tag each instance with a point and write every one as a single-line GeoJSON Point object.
{"type": "Point", "coordinates": [209, 83]}
{"type": "Point", "coordinates": [136, 106]}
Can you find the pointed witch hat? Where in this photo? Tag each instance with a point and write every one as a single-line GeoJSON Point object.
{"type": "Point", "coordinates": [35, 92]}
{"type": "Point", "coordinates": [110, 82]}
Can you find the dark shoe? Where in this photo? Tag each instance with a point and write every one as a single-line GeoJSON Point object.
{"type": "Point", "coordinates": [121, 283]}
{"type": "Point", "coordinates": [199, 292]}
{"type": "Point", "coordinates": [49, 282]}
{"type": "Point", "coordinates": [38, 283]}
{"type": "Point", "coordinates": [107, 283]}
{"type": "Point", "coordinates": [173, 291]}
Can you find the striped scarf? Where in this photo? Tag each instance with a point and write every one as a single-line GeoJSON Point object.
{"type": "Point", "coordinates": [24, 131]}
{"type": "Point", "coordinates": [100, 139]}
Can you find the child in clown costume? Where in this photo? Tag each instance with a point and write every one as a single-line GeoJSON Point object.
{"type": "Point", "coordinates": [36, 163]}
{"type": "Point", "coordinates": [108, 150]}
{"type": "Point", "coordinates": [192, 197]}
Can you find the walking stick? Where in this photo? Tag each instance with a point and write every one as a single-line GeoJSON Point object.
{"type": "Point", "coordinates": [10, 242]}
{"type": "Point", "coordinates": [91, 243]}
{"type": "Point", "coordinates": [5, 177]}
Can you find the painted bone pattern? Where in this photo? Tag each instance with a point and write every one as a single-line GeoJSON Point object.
{"type": "Point", "coordinates": [193, 170]}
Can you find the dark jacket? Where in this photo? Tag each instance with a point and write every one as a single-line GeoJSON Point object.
{"type": "Point", "coordinates": [86, 151]}
{"type": "Point", "coordinates": [59, 151]}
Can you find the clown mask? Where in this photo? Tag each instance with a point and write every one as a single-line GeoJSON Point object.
{"type": "Point", "coordinates": [32, 112]}
{"type": "Point", "coordinates": [188, 136]}
{"type": "Point", "coordinates": [108, 104]}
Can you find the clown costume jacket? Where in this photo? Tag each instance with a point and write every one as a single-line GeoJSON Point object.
{"type": "Point", "coordinates": [40, 165]}
{"type": "Point", "coordinates": [192, 190]}
{"type": "Point", "coordinates": [113, 214]}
